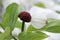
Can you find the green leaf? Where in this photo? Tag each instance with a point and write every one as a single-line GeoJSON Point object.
{"type": "Point", "coordinates": [10, 16]}
{"type": "Point", "coordinates": [6, 35]}
{"type": "Point", "coordinates": [32, 35]}
{"type": "Point", "coordinates": [31, 28]}
{"type": "Point", "coordinates": [40, 5]}
{"type": "Point", "coordinates": [53, 26]}
{"type": "Point", "coordinates": [51, 20]}
{"type": "Point", "coordinates": [18, 24]}
{"type": "Point", "coordinates": [58, 12]}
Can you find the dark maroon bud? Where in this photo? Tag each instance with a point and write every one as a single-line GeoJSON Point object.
{"type": "Point", "coordinates": [25, 16]}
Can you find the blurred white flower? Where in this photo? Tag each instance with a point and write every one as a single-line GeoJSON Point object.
{"type": "Point", "coordinates": [40, 16]}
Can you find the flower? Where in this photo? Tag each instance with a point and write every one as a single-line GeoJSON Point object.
{"type": "Point", "coordinates": [40, 16]}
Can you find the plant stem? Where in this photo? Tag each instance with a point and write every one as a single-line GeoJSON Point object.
{"type": "Point", "coordinates": [12, 35]}
{"type": "Point", "coordinates": [23, 24]}
{"type": "Point", "coordinates": [14, 38]}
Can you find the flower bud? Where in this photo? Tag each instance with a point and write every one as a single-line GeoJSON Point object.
{"type": "Point", "coordinates": [25, 16]}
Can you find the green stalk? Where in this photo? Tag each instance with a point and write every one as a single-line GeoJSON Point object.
{"type": "Point", "coordinates": [23, 24]}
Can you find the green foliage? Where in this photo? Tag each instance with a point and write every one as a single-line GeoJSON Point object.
{"type": "Point", "coordinates": [10, 16]}
{"type": "Point", "coordinates": [18, 24]}
{"type": "Point", "coordinates": [32, 35]}
{"type": "Point", "coordinates": [9, 20]}
{"type": "Point", "coordinates": [40, 5]}
{"type": "Point", "coordinates": [6, 35]}
{"type": "Point", "coordinates": [52, 20]}
{"type": "Point", "coordinates": [31, 28]}
{"type": "Point", "coordinates": [58, 12]}
{"type": "Point", "coordinates": [53, 26]}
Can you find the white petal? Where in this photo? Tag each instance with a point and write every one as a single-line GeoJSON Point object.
{"type": "Point", "coordinates": [38, 25]}
{"type": "Point", "coordinates": [38, 17]}
{"type": "Point", "coordinates": [37, 12]}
